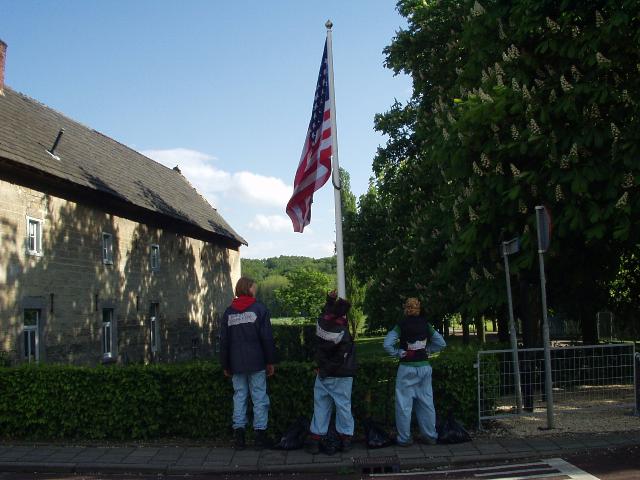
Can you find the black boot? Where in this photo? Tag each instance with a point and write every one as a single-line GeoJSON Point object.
{"type": "Point", "coordinates": [313, 444]}
{"type": "Point", "coordinates": [238, 439]}
{"type": "Point", "coordinates": [262, 440]}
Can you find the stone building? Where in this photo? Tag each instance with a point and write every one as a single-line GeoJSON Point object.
{"type": "Point", "coordinates": [105, 255]}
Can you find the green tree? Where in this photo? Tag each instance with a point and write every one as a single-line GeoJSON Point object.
{"type": "Point", "coordinates": [516, 103]}
{"type": "Point", "coordinates": [267, 293]}
{"type": "Point", "coordinates": [305, 294]}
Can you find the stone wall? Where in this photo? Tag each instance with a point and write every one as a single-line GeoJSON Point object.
{"type": "Point", "coordinates": [71, 285]}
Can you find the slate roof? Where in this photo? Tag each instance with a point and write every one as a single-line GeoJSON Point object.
{"type": "Point", "coordinates": [92, 160]}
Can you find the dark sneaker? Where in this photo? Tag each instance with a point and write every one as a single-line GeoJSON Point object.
{"type": "Point", "coordinates": [404, 444]}
{"type": "Point", "coordinates": [238, 439]}
{"type": "Point", "coordinates": [345, 442]}
{"type": "Point", "coordinates": [428, 440]}
{"type": "Point", "coordinates": [312, 446]}
{"type": "Point", "coordinates": [262, 440]}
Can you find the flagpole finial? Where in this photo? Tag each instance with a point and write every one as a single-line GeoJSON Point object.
{"type": "Point", "coordinates": [329, 24]}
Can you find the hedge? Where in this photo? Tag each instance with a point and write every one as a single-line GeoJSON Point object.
{"type": "Point", "coordinates": [194, 400]}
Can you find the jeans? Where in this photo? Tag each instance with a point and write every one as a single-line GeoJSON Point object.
{"type": "Point", "coordinates": [413, 384]}
{"type": "Point", "coordinates": [327, 392]}
{"type": "Point", "coordinates": [255, 384]}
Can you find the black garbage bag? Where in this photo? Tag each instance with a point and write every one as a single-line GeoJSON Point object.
{"type": "Point", "coordinates": [295, 435]}
{"type": "Point", "coordinates": [376, 435]}
{"type": "Point", "coordinates": [452, 431]}
{"type": "Point", "coordinates": [331, 443]}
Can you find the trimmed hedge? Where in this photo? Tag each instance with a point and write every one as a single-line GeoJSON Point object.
{"type": "Point", "coordinates": [295, 342]}
{"type": "Point", "coordinates": [195, 400]}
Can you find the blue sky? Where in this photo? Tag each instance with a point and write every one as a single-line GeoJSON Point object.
{"type": "Point", "coordinates": [222, 89]}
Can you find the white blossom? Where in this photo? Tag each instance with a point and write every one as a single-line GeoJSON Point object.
{"type": "Point", "coordinates": [514, 170]}
{"type": "Point", "coordinates": [499, 169]}
{"type": "Point", "coordinates": [495, 128]}
{"type": "Point", "coordinates": [564, 162]}
{"type": "Point", "coordinates": [599, 19]}
{"type": "Point", "coordinates": [525, 92]}
{"type": "Point", "coordinates": [628, 180]}
{"type": "Point", "coordinates": [615, 132]}
{"type": "Point", "coordinates": [575, 31]}
{"type": "Point", "coordinates": [533, 126]}
{"type": "Point", "coordinates": [575, 73]}
{"type": "Point", "coordinates": [485, 76]}
{"type": "Point", "coordinates": [602, 60]}
{"type": "Point", "coordinates": [498, 68]}
{"type": "Point", "coordinates": [445, 134]}
{"type": "Point", "coordinates": [487, 274]}
{"type": "Point", "coordinates": [474, 275]}
{"type": "Point", "coordinates": [514, 133]}
{"type": "Point", "coordinates": [477, 170]}
{"type": "Point", "coordinates": [559, 194]}
{"type": "Point", "coordinates": [566, 86]}
{"type": "Point", "coordinates": [552, 96]}
{"type": "Point", "coordinates": [472, 214]}
{"type": "Point", "coordinates": [514, 85]}
{"type": "Point", "coordinates": [553, 26]}
{"type": "Point", "coordinates": [486, 98]}
{"type": "Point", "coordinates": [573, 153]}
{"type": "Point", "coordinates": [499, 81]}
{"type": "Point", "coordinates": [484, 160]}
{"type": "Point", "coordinates": [622, 201]}
{"type": "Point", "coordinates": [501, 33]}
{"type": "Point", "coordinates": [477, 9]}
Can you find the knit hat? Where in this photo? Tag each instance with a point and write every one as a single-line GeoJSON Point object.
{"type": "Point", "coordinates": [412, 307]}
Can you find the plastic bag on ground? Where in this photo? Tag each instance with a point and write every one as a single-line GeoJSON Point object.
{"type": "Point", "coordinates": [295, 435]}
{"type": "Point", "coordinates": [377, 436]}
{"type": "Point", "coordinates": [452, 431]}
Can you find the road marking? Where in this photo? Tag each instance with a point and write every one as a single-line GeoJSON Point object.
{"type": "Point", "coordinates": [550, 468]}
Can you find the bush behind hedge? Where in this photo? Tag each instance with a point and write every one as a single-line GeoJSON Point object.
{"type": "Point", "coordinates": [195, 400]}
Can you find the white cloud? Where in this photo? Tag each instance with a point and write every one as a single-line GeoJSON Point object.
{"type": "Point", "coordinates": [271, 223]}
{"type": "Point", "coordinates": [212, 181]}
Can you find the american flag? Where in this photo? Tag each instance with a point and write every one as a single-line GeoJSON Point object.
{"type": "Point", "coordinates": [314, 168]}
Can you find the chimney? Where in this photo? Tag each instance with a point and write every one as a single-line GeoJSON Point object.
{"type": "Point", "coordinates": [3, 55]}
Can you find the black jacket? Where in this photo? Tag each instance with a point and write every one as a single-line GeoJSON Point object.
{"type": "Point", "coordinates": [246, 339]}
{"type": "Point", "coordinates": [335, 349]}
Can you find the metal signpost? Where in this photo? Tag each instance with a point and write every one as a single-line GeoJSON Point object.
{"type": "Point", "coordinates": [509, 248]}
{"type": "Point", "coordinates": [543, 223]}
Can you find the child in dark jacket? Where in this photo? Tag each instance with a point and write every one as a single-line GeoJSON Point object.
{"type": "Point", "coordinates": [247, 354]}
{"type": "Point", "coordinates": [336, 367]}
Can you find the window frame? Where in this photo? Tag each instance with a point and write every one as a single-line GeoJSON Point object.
{"type": "Point", "coordinates": [27, 332]}
{"type": "Point", "coordinates": [154, 327]}
{"type": "Point", "coordinates": [107, 334]}
{"type": "Point", "coordinates": [154, 267]}
{"type": "Point", "coordinates": [37, 251]}
{"type": "Point", "coordinates": [107, 249]}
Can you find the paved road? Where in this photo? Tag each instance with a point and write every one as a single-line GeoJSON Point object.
{"type": "Point", "coordinates": [605, 464]}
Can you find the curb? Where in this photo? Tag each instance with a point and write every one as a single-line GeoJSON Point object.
{"type": "Point", "coordinates": [319, 467]}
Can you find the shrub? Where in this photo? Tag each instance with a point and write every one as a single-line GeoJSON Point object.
{"type": "Point", "coordinates": [294, 342]}
{"type": "Point", "coordinates": [194, 400]}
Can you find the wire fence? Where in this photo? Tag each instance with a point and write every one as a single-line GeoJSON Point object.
{"type": "Point", "coordinates": [598, 376]}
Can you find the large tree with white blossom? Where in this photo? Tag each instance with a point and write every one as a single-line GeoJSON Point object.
{"type": "Point", "coordinates": [516, 103]}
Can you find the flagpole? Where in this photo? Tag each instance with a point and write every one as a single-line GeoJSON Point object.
{"type": "Point", "coordinates": [335, 173]}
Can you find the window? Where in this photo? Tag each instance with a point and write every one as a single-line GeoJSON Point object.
{"type": "Point", "coordinates": [155, 257]}
{"type": "Point", "coordinates": [107, 325]}
{"type": "Point", "coordinates": [31, 318]}
{"type": "Point", "coordinates": [34, 236]}
{"type": "Point", "coordinates": [154, 326]}
{"type": "Point", "coordinates": [107, 248]}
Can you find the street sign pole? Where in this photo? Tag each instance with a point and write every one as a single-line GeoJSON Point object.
{"type": "Point", "coordinates": [542, 223]}
{"type": "Point", "coordinates": [512, 325]}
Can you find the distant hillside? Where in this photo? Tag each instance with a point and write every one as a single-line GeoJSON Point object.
{"type": "Point", "coordinates": [271, 274]}
{"type": "Point", "coordinates": [263, 268]}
